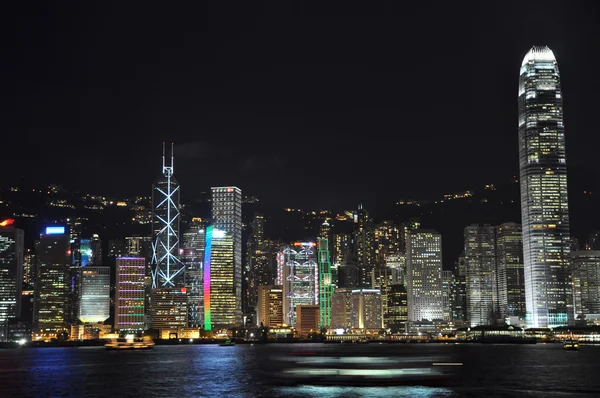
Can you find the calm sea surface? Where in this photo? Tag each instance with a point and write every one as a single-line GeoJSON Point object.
{"type": "Point", "coordinates": [260, 371]}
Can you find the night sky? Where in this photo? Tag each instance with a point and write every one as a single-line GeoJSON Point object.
{"type": "Point", "coordinates": [298, 104]}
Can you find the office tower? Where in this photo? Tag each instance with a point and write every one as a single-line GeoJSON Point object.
{"type": "Point", "coordinates": [397, 309]}
{"type": "Point", "coordinates": [447, 283]}
{"type": "Point", "coordinates": [192, 257]}
{"type": "Point", "coordinates": [307, 320]}
{"type": "Point", "coordinates": [130, 293]}
{"type": "Point", "coordinates": [11, 275]}
{"type": "Point", "coordinates": [299, 278]}
{"type": "Point", "coordinates": [94, 294]}
{"type": "Point", "coordinates": [133, 246]}
{"type": "Point", "coordinates": [340, 245]}
{"type": "Point", "coordinates": [586, 282]}
{"type": "Point", "coordinates": [511, 278]}
{"type": "Point", "coordinates": [367, 306]}
{"type": "Point", "coordinates": [382, 279]}
{"type": "Point", "coordinates": [397, 262]}
{"type": "Point", "coordinates": [227, 216]}
{"type": "Point", "coordinates": [458, 291]}
{"type": "Point", "coordinates": [325, 230]}
{"type": "Point", "coordinates": [356, 308]}
{"type": "Point", "coordinates": [480, 260]}
{"type": "Point", "coordinates": [424, 275]}
{"type": "Point", "coordinates": [52, 308]}
{"type": "Point", "coordinates": [326, 287]}
{"type": "Point", "coordinates": [167, 269]}
{"type": "Point", "coordinates": [405, 228]}
{"type": "Point", "coordinates": [221, 298]}
{"type": "Point", "coordinates": [269, 310]}
{"type": "Point", "coordinates": [169, 310]}
{"type": "Point", "coordinates": [255, 264]}
{"type": "Point", "coordinates": [544, 201]}
{"type": "Point", "coordinates": [387, 241]}
{"type": "Point", "coordinates": [29, 264]}
{"type": "Point", "coordinates": [364, 237]}
{"type": "Point", "coordinates": [96, 257]}
{"type": "Point", "coordinates": [341, 308]}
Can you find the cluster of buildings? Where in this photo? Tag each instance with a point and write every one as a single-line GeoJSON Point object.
{"type": "Point", "coordinates": [382, 278]}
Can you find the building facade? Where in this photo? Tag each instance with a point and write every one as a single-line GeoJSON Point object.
{"type": "Point", "coordinates": [94, 294]}
{"type": "Point", "coordinates": [222, 299]}
{"type": "Point", "coordinates": [424, 275]}
{"type": "Point", "coordinates": [480, 261]}
{"type": "Point", "coordinates": [586, 282]}
{"type": "Point", "coordinates": [511, 275]}
{"type": "Point", "coordinates": [52, 305]}
{"type": "Point", "coordinates": [269, 311]}
{"type": "Point", "coordinates": [544, 201]}
{"type": "Point", "coordinates": [227, 216]}
{"type": "Point", "coordinates": [299, 278]}
{"type": "Point", "coordinates": [11, 275]}
{"type": "Point", "coordinates": [130, 294]}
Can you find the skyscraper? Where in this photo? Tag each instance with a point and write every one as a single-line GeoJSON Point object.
{"type": "Point", "coordinates": [544, 202]}
{"type": "Point", "coordinates": [326, 287]}
{"type": "Point", "coordinates": [424, 275]}
{"type": "Point", "coordinates": [227, 216]}
{"type": "Point", "coordinates": [192, 256]}
{"type": "Point", "coordinates": [94, 294]}
{"type": "Point", "coordinates": [221, 295]}
{"type": "Point", "coordinates": [167, 269]}
{"type": "Point", "coordinates": [130, 294]}
{"type": "Point", "coordinates": [11, 275]}
{"type": "Point", "coordinates": [480, 260]}
{"type": "Point", "coordinates": [586, 282]}
{"type": "Point", "coordinates": [299, 278]}
{"type": "Point", "coordinates": [511, 282]}
{"type": "Point", "coordinates": [51, 305]}
{"type": "Point", "coordinates": [269, 310]}
{"type": "Point", "coordinates": [364, 236]}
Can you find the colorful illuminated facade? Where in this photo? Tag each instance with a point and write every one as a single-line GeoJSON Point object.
{"type": "Point", "coordinates": [130, 293]}
{"type": "Point", "coordinates": [544, 201]}
{"type": "Point", "coordinates": [227, 216]}
{"type": "Point", "coordinates": [326, 286]}
{"type": "Point", "coordinates": [300, 278]}
{"type": "Point", "coordinates": [221, 299]}
{"type": "Point", "coordinates": [11, 275]}
{"type": "Point", "coordinates": [192, 256]}
{"type": "Point", "coordinates": [167, 269]}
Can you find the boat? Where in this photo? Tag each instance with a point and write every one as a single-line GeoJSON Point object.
{"type": "Point", "coordinates": [227, 343]}
{"type": "Point", "coordinates": [130, 343]}
{"type": "Point", "coordinates": [571, 345]}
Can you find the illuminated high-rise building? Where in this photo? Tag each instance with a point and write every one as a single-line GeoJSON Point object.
{"type": "Point", "coordinates": [382, 279]}
{"type": "Point", "coordinates": [11, 275]}
{"type": "Point", "coordinates": [326, 286]}
{"type": "Point", "coordinates": [269, 310]}
{"type": "Point", "coordinates": [511, 278]}
{"type": "Point", "coordinates": [544, 201]}
{"type": "Point", "coordinates": [480, 259]}
{"type": "Point", "coordinates": [424, 275]}
{"type": "Point", "coordinates": [397, 309]}
{"type": "Point", "coordinates": [130, 293]}
{"type": "Point", "coordinates": [93, 294]}
{"type": "Point", "coordinates": [133, 246]}
{"type": "Point", "coordinates": [221, 298]}
{"type": "Point", "coordinates": [299, 277]}
{"type": "Point", "coordinates": [586, 282]}
{"type": "Point", "coordinates": [324, 230]}
{"type": "Point", "coordinates": [387, 241]}
{"type": "Point", "coordinates": [356, 308]}
{"type": "Point", "coordinates": [254, 271]}
{"type": "Point", "coordinates": [167, 269]}
{"type": "Point", "coordinates": [169, 310]}
{"type": "Point", "coordinates": [52, 307]}
{"type": "Point", "coordinates": [192, 256]}
{"type": "Point", "coordinates": [227, 216]}
{"type": "Point", "coordinates": [364, 237]}
{"type": "Point", "coordinates": [95, 251]}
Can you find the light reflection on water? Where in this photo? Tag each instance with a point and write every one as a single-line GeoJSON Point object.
{"type": "Point", "coordinates": [255, 371]}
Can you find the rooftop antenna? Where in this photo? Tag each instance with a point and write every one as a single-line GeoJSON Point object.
{"type": "Point", "coordinates": [163, 157]}
{"type": "Point", "coordinates": [168, 170]}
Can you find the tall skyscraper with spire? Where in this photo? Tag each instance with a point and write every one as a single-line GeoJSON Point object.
{"type": "Point", "coordinates": [167, 269]}
{"type": "Point", "coordinates": [544, 205]}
